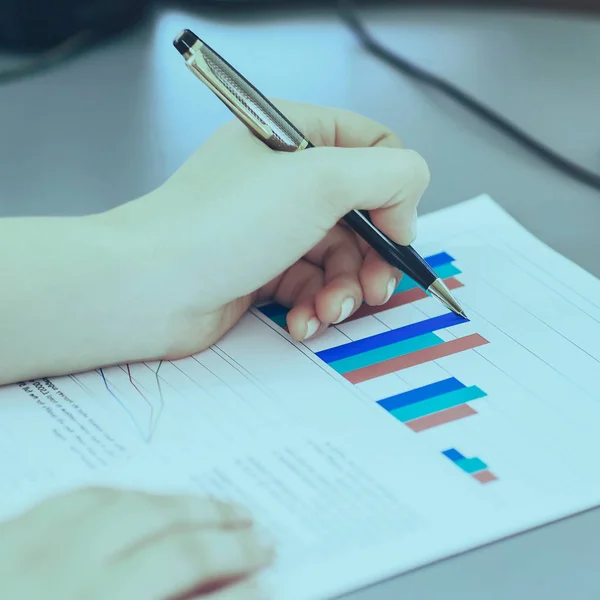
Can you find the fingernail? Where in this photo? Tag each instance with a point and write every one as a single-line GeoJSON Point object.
{"type": "Point", "coordinates": [391, 288]}
{"type": "Point", "coordinates": [311, 327]}
{"type": "Point", "coordinates": [347, 308]}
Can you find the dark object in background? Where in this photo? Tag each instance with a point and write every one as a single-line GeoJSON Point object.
{"type": "Point", "coordinates": [28, 26]}
{"type": "Point", "coordinates": [52, 31]}
{"type": "Point", "coordinates": [39, 25]}
{"type": "Point", "coordinates": [229, 5]}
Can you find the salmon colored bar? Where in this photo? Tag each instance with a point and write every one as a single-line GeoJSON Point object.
{"type": "Point", "coordinates": [485, 476]}
{"type": "Point", "coordinates": [415, 358]}
{"type": "Point", "coordinates": [444, 416]}
{"type": "Point", "coordinates": [400, 299]}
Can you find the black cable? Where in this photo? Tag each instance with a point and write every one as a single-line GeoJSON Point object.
{"type": "Point", "coordinates": [49, 58]}
{"type": "Point", "coordinates": [78, 42]}
{"type": "Point", "coordinates": [577, 172]}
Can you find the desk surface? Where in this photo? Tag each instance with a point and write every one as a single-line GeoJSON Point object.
{"type": "Point", "coordinates": [109, 126]}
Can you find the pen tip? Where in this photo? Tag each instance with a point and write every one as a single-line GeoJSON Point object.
{"type": "Point", "coordinates": [439, 290]}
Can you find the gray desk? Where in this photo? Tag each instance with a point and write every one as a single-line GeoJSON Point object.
{"type": "Point", "coordinates": [101, 130]}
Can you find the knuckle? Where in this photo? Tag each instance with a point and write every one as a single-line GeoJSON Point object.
{"type": "Point", "coordinates": [222, 511]}
{"type": "Point", "coordinates": [396, 140]}
{"type": "Point", "coordinates": [389, 138]}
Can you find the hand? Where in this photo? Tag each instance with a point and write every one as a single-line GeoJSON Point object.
{"type": "Point", "coordinates": [166, 275]}
{"type": "Point", "coordinates": [240, 223]}
{"type": "Point", "coordinates": [102, 544]}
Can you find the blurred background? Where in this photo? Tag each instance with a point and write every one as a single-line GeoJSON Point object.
{"type": "Point", "coordinates": [97, 107]}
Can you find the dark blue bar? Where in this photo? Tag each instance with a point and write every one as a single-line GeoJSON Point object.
{"type": "Point", "coordinates": [272, 310]}
{"type": "Point", "coordinates": [453, 455]}
{"type": "Point", "coordinates": [423, 393]}
{"type": "Point", "coordinates": [437, 260]}
{"type": "Point", "coordinates": [389, 337]}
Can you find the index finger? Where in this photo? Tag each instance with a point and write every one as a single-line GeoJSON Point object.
{"type": "Point", "coordinates": [329, 126]}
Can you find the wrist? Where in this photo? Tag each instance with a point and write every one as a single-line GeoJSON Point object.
{"type": "Point", "coordinates": [75, 297]}
{"type": "Point", "coordinates": [130, 280]}
{"type": "Point", "coordinates": [167, 263]}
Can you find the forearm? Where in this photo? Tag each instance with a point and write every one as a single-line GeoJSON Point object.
{"type": "Point", "coordinates": [70, 299]}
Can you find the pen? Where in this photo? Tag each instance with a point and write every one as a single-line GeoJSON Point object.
{"type": "Point", "coordinates": [267, 123]}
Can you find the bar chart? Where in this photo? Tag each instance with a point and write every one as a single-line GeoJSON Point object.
{"type": "Point", "coordinates": [473, 466]}
{"type": "Point", "coordinates": [433, 405]}
{"type": "Point", "coordinates": [423, 407]}
{"type": "Point", "coordinates": [400, 348]}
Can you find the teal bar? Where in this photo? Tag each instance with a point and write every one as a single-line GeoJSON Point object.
{"type": "Point", "coordinates": [471, 465]}
{"type": "Point", "coordinates": [378, 355]}
{"type": "Point", "coordinates": [438, 403]}
{"type": "Point", "coordinates": [406, 283]}
{"type": "Point", "coordinates": [443, 271]}
{"type": "Point", "coordinates": [448, 270]}
{"type": "Point", "coordinates": [280, 320]}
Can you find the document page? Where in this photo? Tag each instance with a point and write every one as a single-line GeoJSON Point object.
{"type": "Point", "coordinates": [399, 437]}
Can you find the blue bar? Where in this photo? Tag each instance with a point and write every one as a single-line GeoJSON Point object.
{"type": "Point", "coordinates": [436, 260]}
{"type": "Point", "coordinates": [389, 337]}
{"type": "Point", "coordinates": [453, 454]}
{"type": "Point", "coordinates": [379, 355]}
{"type": "Point", "coordinates": [437, 404]}
{"type": "Point", "coordinates": [443, 272]}
{"type": "Point", "coordinates": [273, 309]}
{"type": "Point", "coordinates": [423, 393]}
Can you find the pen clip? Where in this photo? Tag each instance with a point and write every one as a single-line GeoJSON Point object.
{"type": "Point", "coordinates": [197, 63]}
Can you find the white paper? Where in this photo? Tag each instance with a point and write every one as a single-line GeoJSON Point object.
{"type": "Point", "coordinates": [350, 493]}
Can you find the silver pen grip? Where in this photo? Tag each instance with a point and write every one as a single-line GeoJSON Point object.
{"type": "Point", "coordinates": [285, 137]}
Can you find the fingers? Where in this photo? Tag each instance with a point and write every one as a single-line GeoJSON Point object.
{"type": "Point", "coordinates": [387, 181]}
{"type": "Point", "coordinates": [169, 509]}
{"type": "Point", "coordinates": [297, 289]}
{"type": "Point", "coordinates": [321, 295]}
{"type": "Point", "coordinates": [340, 257]}
{"type": "Point", "coordinates": [378, 278]}
{"type": "Point", "coordinates": [190, 562]}
{"type": "Point", "coordinates": [329, 126]}
{"type": "Point", "coordinates": [140, 546]}
{"type": "Point", "coordinates": [136, 517]}
{"type": "Point", "coordinates": [331, 282]}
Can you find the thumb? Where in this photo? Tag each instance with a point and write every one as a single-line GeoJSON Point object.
{"type": "Point", "coordinates": [389, 182]}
